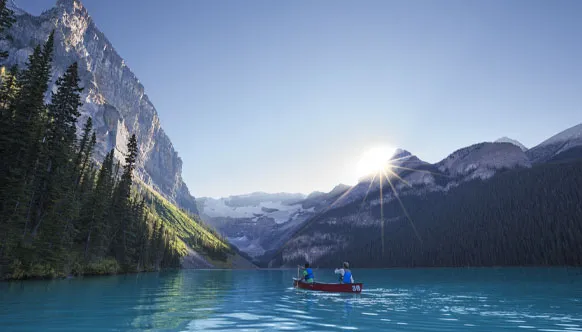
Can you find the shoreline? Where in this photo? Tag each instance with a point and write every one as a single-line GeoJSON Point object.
{"type": "Point", "coordinates": [69, 277]}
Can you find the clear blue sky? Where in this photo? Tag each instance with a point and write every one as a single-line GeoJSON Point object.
{"type": "Point", "coordinates": [286, 95]}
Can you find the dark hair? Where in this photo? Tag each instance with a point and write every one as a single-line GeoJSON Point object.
{"type": "Point", "coordinates": [306, 265]}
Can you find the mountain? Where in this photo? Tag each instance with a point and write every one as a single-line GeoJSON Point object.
{"type": "Point", "coordinates": [485, 204]}
{"type": "Point", "coordinates": [483, 161]}
{"type": "Point", "coordinates": [259, 224]}
{"type": "Point", "coordinates": [113, 96]}
{"type": "Point", "coordinates": [523, 216]}
{"type": "Point", "coordinates": [157, 225]}
{"type": "Point", "coordinates": [256, 223]}
{"type": "Point", "coordinates": [410, 175]}
{"type": "Point", "coordinates": [557, 144]}
{"type": "Point", "coordinates": [512, 141]}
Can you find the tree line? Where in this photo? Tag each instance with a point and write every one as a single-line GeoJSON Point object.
{"type": "Point", "coordinates": [60, 212]}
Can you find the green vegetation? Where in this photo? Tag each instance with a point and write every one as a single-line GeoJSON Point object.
{"type": "Point", "coordinates": [61, 213]}
{"type": "Point", "coordinates": [189, 228]}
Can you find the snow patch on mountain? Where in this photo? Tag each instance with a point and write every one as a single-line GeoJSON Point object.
{"type": "Point", "coordinates": [506, 139]}
{"type": "Point", "coordinates": [279, 211]}
{"type": "Point", "coordinates": [556, 144]}
{"type": "Point", "coordinates": [483, 160]}
{"type": "Point", "coordinates": [569, 134]}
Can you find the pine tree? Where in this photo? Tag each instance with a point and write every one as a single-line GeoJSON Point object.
{"type": "Point", "coordinates": [54, 196]}
{"type": "Point", "coordinates": [98, 230]}
{"type": "Point", "coordinates": [121, 205]}
{"type": "Point", "coordinates": [22, 142]}
{"type": "Point", "coordinates": [64, 111]}
{"type": "Point", "coordinates": [128, 168]}
{"type": "Point", "coordinates": [85, 150]}
{"type": "Point", "coordinates": [8, 93]}
{"type": "Point", "coordinates": [87, 155]}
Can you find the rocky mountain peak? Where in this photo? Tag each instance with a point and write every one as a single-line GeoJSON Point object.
{"type": "Point", "coordinates": [561, 142]}
{"type": "Point", "coordinates": [405, 159]}
{"type": "Point", "coordinates": [69, 3]}
{"type": "Point", "coordinates": [506, 139]}
{"type": "Point", "coordinates": [573, 133]}
{"type": "Point", "coordinates": [401, 153]}
{"type": "Point", "coordinates": [483, 160]}
{"type": "Point", "coordinates": [339, 189]}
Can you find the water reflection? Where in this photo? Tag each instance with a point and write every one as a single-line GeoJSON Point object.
{"type": "Point", "coordinates": [395, 300]}
{"type": "Point", "coordinates": [178, 297]}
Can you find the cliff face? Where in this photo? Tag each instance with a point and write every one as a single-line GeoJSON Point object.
{"type": "Point", "coordinates": [112, 96]}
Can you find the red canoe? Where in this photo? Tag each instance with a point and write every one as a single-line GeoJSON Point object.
{"type": "Point", "coordinates": [324, 287]}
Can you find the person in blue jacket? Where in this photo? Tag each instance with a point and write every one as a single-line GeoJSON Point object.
{"type": "Point", "coordinates": [345, 274]}
{"type": "Point", "coordinates": [308, 274]}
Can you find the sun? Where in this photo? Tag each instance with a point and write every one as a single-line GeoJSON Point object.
{"type": "Point", "coordinates": [374, 160]}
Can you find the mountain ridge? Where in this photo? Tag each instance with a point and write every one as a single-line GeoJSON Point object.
{"type": "Point", "coordinates": [558, 143]}
{"type": "Point", "coordinates": [411, 178]}
{"type": "Point", "coordinates": [470, 181]}
{"type": "Point", "coordinates": [506, 139]}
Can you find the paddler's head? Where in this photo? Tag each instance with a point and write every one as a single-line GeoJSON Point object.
{"type": "Point", "coordinates": [306, 265]}
{"type": "Point", "coordinates": [346, 265]}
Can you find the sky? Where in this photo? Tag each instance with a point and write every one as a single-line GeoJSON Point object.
{"type": "Point", "coordinates": [285, 96]}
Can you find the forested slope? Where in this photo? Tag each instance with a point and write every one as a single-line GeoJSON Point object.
{"type": "Point", "coordinates": [518, 217]}
{"type": "Point", "coordinates": [63, 213]}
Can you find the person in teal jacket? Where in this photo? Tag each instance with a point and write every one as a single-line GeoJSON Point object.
{"type": "Point", "coordinates": [308, 273]}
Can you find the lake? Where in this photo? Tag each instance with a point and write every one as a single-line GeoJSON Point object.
{"type": "Point", "coordinates": [504, 299]}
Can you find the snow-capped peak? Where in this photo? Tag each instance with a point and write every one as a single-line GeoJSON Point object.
{"type": "Point", "coordinates": [339, 189]}
{"type": "Point", "coordinates": [566, 135]}
{"type": "Point", "coordinates": [401, 154]}
{"type": "Point", "coordinates": [505, 139]}
{"type": "Point", "coordinates": [567, 139]}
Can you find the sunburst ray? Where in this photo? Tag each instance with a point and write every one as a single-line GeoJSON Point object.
{"type": "Point", "coordinates": [399, 177]}
{"type": "Point", "coordinates": [368, 191]}
{"type": "Point", "coordinates": [382, 214]}
{"type": "Point", "coordinates": [403, 208]}
{"type": "Point", "coordinates": [341, 197]}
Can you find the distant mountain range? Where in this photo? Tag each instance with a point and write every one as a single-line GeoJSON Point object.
{"type": "Point", "coordinates": [258, 224]}
{"type": "Point", "coordinates": [331, 225]}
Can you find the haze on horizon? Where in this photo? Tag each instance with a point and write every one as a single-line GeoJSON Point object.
{"type": "Point", "coordinates": [286, 97]}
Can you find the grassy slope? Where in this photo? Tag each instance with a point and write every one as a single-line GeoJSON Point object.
{"type": "Point", "coordinates": [192, 232]}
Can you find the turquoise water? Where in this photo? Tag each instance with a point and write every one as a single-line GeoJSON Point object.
{"type": "Point", "coordinates": [393, 300]}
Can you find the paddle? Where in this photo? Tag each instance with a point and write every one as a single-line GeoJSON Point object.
{"type": "Point", "coordinates": [298, 267]}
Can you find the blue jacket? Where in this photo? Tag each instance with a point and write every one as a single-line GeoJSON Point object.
{"type": "Point", "coordinates": [347, 277]}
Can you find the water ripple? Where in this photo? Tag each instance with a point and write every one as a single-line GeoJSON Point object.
{"type": "Point", "coordinates": [395, 300]}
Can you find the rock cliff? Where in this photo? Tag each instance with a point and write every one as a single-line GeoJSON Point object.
{"type": "Point", "coordinates": [113, 96]}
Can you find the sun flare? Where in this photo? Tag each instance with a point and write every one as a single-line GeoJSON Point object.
{"type": "Point", "coordinates": [374, 160]}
